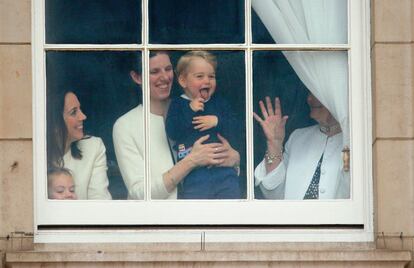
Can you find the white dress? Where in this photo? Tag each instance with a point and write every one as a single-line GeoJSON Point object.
{"type": "Point", "coordinates": [291, 179]}
{"type": "Point", "coordinates": [128, 136]}
{"type": "Point", "coordinates": [89, 173]}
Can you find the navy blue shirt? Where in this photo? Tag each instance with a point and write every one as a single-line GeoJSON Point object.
{"type": "Point", "coordinates": [180, 128]}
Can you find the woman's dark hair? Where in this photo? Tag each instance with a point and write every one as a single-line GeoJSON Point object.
{"type": "Point", "coordinates": [154, 53]}
{"type": "Point", "coordinates": [133, 63]}
{"type": "Point", "coordinates": [57, 132]}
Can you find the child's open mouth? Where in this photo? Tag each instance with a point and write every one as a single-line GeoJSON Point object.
{"type": "Point", "coordinates": [204, 93]}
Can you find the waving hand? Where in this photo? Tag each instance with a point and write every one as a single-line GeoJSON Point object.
{"type": "Point", "coordinates": [272, 121]}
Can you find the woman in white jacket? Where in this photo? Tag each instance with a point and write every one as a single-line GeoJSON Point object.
{"type": "Point", "coordinates": [310, 166]}
{"type": "Point", "coordinates": [128, 136]}
{"type": "Point", "coordinates": [67, 146]}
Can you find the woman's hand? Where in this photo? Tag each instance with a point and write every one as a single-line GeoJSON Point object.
{"type": "Point", "coordinates": [230, 157]}
{"type": "Point", "coordinates": [204, 154]}
{"type": "Point", "coordinates": [214, 154]}
{"type": "Point", "coordinates": [272, 123]}
{"type": "Point", "coordinates": [211, 154]}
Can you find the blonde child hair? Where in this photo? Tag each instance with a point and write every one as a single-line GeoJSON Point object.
{"type": "Point", "coordinates": [56, 171]}
{"type": "Point", "coordinates": [185, 60]}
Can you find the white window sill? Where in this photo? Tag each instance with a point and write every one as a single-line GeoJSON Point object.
{"type": "Point", "coordinates": [203, 236]}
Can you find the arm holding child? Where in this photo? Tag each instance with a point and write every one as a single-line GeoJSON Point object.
{"type": "Point", "coordinates": [226, 124]}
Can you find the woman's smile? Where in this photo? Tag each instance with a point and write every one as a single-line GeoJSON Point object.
{"type": "Point", "coordinates": [73, 117]}
{"type": "Point", "coordinates": [161, 77]}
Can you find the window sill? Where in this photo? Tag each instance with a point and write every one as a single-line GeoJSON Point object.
{"type": "Point", "coordinates": [363, 258]}
{"type": "Point", "coordinates": [204, 236]}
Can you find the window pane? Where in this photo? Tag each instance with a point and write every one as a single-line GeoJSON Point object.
{"type": "Point", "coordinates": [86, 93]}
{"type": "Point", "coordinates": [196, 21]}
{"type": "Point", "coordinates": [305, 83]}
{"type": "Point", "coordinates": [215, 97]}
{"type": "Point", "coordinates": [93, 22]}
{"type": "Point", "coordinates": [300, 22]}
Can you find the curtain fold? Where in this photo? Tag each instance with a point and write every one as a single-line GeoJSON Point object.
{"type": "Point", "coordinates": [324, 73]}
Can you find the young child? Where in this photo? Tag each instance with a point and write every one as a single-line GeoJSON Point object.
{"type": "Point", "coordinates": [60, 184]}
{"type": "Point", "coordinates": [194, 114]}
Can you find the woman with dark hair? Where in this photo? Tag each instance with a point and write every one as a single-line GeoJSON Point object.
{"type": "Point", "coordinates": [129, 146]}
{"type": "Point", "coordinates": [67, 146]}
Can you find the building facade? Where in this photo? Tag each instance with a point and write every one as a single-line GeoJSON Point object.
{"type": "Point", "coordinates": [392, 59]}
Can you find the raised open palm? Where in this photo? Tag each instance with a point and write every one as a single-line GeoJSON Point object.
{"type": "Point", "coordinates": [272, 123]}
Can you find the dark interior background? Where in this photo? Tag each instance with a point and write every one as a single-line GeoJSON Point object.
{"type": "Point", "coordinates": [196, 21]}
{"type": "Point", "coordinates": [93, 21]}
{"type": "Point", "coordinates": [101, 78]}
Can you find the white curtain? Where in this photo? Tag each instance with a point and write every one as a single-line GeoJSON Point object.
{"type": "Point", "coordinates": [325, 73]}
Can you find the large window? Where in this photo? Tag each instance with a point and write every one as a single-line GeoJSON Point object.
{"type": "Point", "coordinates": [202, 113]}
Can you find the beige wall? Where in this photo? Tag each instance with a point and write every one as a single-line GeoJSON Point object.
{"type": "Point", "coordinates": [16, 190]}
{"type": "Point", "coordinates": [393, 147]}
{"type": "Point", "coordinates": [393, 107]}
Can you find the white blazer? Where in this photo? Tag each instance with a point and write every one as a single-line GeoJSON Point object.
{"type": "Point", "coordinates": [89, 173]}
{"type": "Point", "coordinates": [128, 136]}
{"type": "Point", "coordinates": [291, 179]}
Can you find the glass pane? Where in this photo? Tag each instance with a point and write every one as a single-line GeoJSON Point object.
{"type": "Point", "coordinates": [299, 137]}
{"type": "Point", "coordinates": [86, 93]}
{"type": "Point", "coordinates": [206, 98]}
{"type": "Point", "coordinates": [300, 22]}
{"type": "Point", "coordinates": [196, 21]}
{"type": "Point", "coordinates": [93, 22]}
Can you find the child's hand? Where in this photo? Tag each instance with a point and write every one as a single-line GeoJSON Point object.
{"type": "Point", "coordinates": [197, 104]}
{"type": "Point", "coordinates": [205, 122]}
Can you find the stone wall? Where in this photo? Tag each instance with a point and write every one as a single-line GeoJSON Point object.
{"type": "Point", "coordinates": [16, 189]}
{"type": "Point", "coordinates": [393, 124]}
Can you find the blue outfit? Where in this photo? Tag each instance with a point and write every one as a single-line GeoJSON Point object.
{"type": "Point", "coordinates": [203, 182]}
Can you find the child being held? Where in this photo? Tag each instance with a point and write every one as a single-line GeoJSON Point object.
{"type": "Point", "coordinates": [194, 114]}
{"type": "Point", "coordinates": [60, 184]}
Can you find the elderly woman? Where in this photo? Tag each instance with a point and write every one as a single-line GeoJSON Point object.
{"type": "Point", "coordinates": [128, 138]}
{"type": "Point", "coordinates": [310, 166]}
{"type": "Point", "coordinates": [67, 146]}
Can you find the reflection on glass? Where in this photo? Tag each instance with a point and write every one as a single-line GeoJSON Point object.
{"type": "Point", "coordinates": [195, 162]}
{"type": "Point", "coordinates": [302, 125]}
{"type": "Point", "coordinates": [93, 21]}
{"type": "Point", "coordinates": [196, 21]}
{"type": "Point", "coordinates": [86, 93]}
{"type": "Point", "coordinates": [300, 22]}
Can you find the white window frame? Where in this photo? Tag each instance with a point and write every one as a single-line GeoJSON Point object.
{"type": "Point", "coordinates": [212, 213]}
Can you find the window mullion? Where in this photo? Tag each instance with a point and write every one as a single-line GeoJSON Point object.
{"type": "Point", "coordinates": [302, 47]}
{"type": "Point", "coordinates": [187, 47]}
{"type": "Point", "coordinates": [146, 99]}
{"type": "Point", "coordinates": [144, 18]}
{"type": "Point", "coordinates": [249, 125]}
{"type": "Point", "coordinates": [248, 22]}
{"type": "Point", "coordinates": [249, 104]}
{"type": "Point", "coordinates": [92, 47]}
